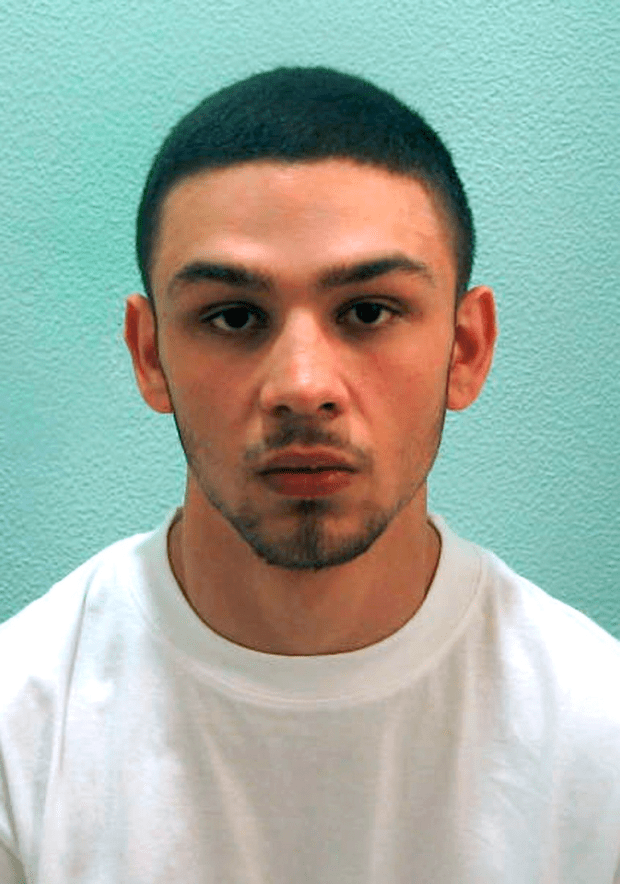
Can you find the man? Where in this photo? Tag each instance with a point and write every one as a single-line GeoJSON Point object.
{"type": "Point", "coordinates": [302, 675]}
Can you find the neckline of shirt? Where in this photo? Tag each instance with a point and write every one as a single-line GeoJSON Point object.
{"type": "Point", "coordinates": [369, 673]}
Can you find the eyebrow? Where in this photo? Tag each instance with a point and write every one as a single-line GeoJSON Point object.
{"type": "Point", "coordinates": [340, 275]}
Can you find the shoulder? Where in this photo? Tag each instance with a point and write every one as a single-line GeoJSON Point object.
{"type": "Point", "coordinates": [539, 680]}
{"type": "Point", "coordinates": [512, 603]}
{"type": "Point", "coordinates": [49, 654]}
{"type": "Point", "coordinates": [553, 652]}
{"type": "Point", "coordinates": [567, 635]}
{"type": "Point", "coordinates": [38, 644]}
{"type": "Point", "coordinates": [532, 647]}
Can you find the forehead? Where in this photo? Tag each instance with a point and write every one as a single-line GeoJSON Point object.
{"type": "Point", "coordinates": [302, 214]}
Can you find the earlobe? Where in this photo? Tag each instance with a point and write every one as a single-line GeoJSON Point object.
{"type": "Point", "coordinates": [472, 352]}
{"type": "Point", "coordinates": [141, 340]}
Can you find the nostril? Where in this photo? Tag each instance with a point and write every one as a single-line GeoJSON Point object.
{"type": "Point", "coordinates": [282, 410]}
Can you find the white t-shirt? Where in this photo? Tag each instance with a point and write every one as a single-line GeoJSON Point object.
{"type": "Point", "coordinates": [479, 744]}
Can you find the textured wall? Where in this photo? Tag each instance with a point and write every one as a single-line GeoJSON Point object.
{"type": "Point", "coordinates": [527, 96]}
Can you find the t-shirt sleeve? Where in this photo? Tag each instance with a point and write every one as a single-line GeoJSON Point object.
{"type": "Point", "coordinates": [11, 870]}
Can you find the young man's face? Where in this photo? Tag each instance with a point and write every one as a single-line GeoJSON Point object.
{"type": "Point", "coordinates": [304, 309]}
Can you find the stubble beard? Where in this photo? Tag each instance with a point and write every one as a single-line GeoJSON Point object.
{"type": "Point", "coordinates": [309, 545]}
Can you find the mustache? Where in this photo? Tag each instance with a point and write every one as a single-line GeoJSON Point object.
{"type": "Point", "coordinates": [305, 433]}
{"type": "Point", "coordinates": [302, 434]}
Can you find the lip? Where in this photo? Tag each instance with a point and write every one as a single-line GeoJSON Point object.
{"type": "Point", "coordinates": [308, 483]}
{"type": "Point", "coordinates": [291, 461]}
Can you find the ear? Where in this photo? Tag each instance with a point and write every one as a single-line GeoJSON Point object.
{"type": "Point", "coordinates": [472, 352]}
{"type": "Point", "coordinates": [141, 340]}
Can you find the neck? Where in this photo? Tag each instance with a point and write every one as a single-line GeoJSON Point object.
{"type": "Point", "coordinates": [281, 611]}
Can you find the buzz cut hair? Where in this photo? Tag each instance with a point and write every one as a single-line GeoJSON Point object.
{"type": "Point", "coordinates": [297, 114]}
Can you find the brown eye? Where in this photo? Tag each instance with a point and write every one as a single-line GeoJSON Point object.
{"type": "Point", "coordinates": [237, 318]}
{"type": "Point", "coordinates": [370, 314]}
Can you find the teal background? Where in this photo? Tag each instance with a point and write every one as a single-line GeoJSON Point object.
{"type": "Point", "coordinates": [526, 95]}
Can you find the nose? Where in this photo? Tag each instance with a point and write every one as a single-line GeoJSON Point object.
{"type": "Point", "coordinates": [302, 373]}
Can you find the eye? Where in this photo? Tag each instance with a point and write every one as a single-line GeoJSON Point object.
{"type": "Point", "coordinates": [245, 318]}
{"type": "Point", "coordinates": [370, 314]}
{"type": "Point", "coordinates": [236, 318]}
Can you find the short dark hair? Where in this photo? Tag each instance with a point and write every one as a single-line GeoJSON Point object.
{"type": "Point", "coordinates": [293, 114]}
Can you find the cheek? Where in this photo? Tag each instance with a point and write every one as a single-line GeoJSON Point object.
{"type": "Point", "coordinates": [411, 382]}
{"type": "Point", "coordinates": [210, 403]}
{"type": "Point", "coordinates": [196, 396]}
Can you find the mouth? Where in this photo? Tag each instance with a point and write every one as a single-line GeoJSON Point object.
{"type": "Point", "coordinates": [300, 461]}
{"type": "Point", "coordinates": [304, 473]}
{"type": "Point", "coordinates": [309, 470]}
{"type": "Point", "coordinates": [308, 481]}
